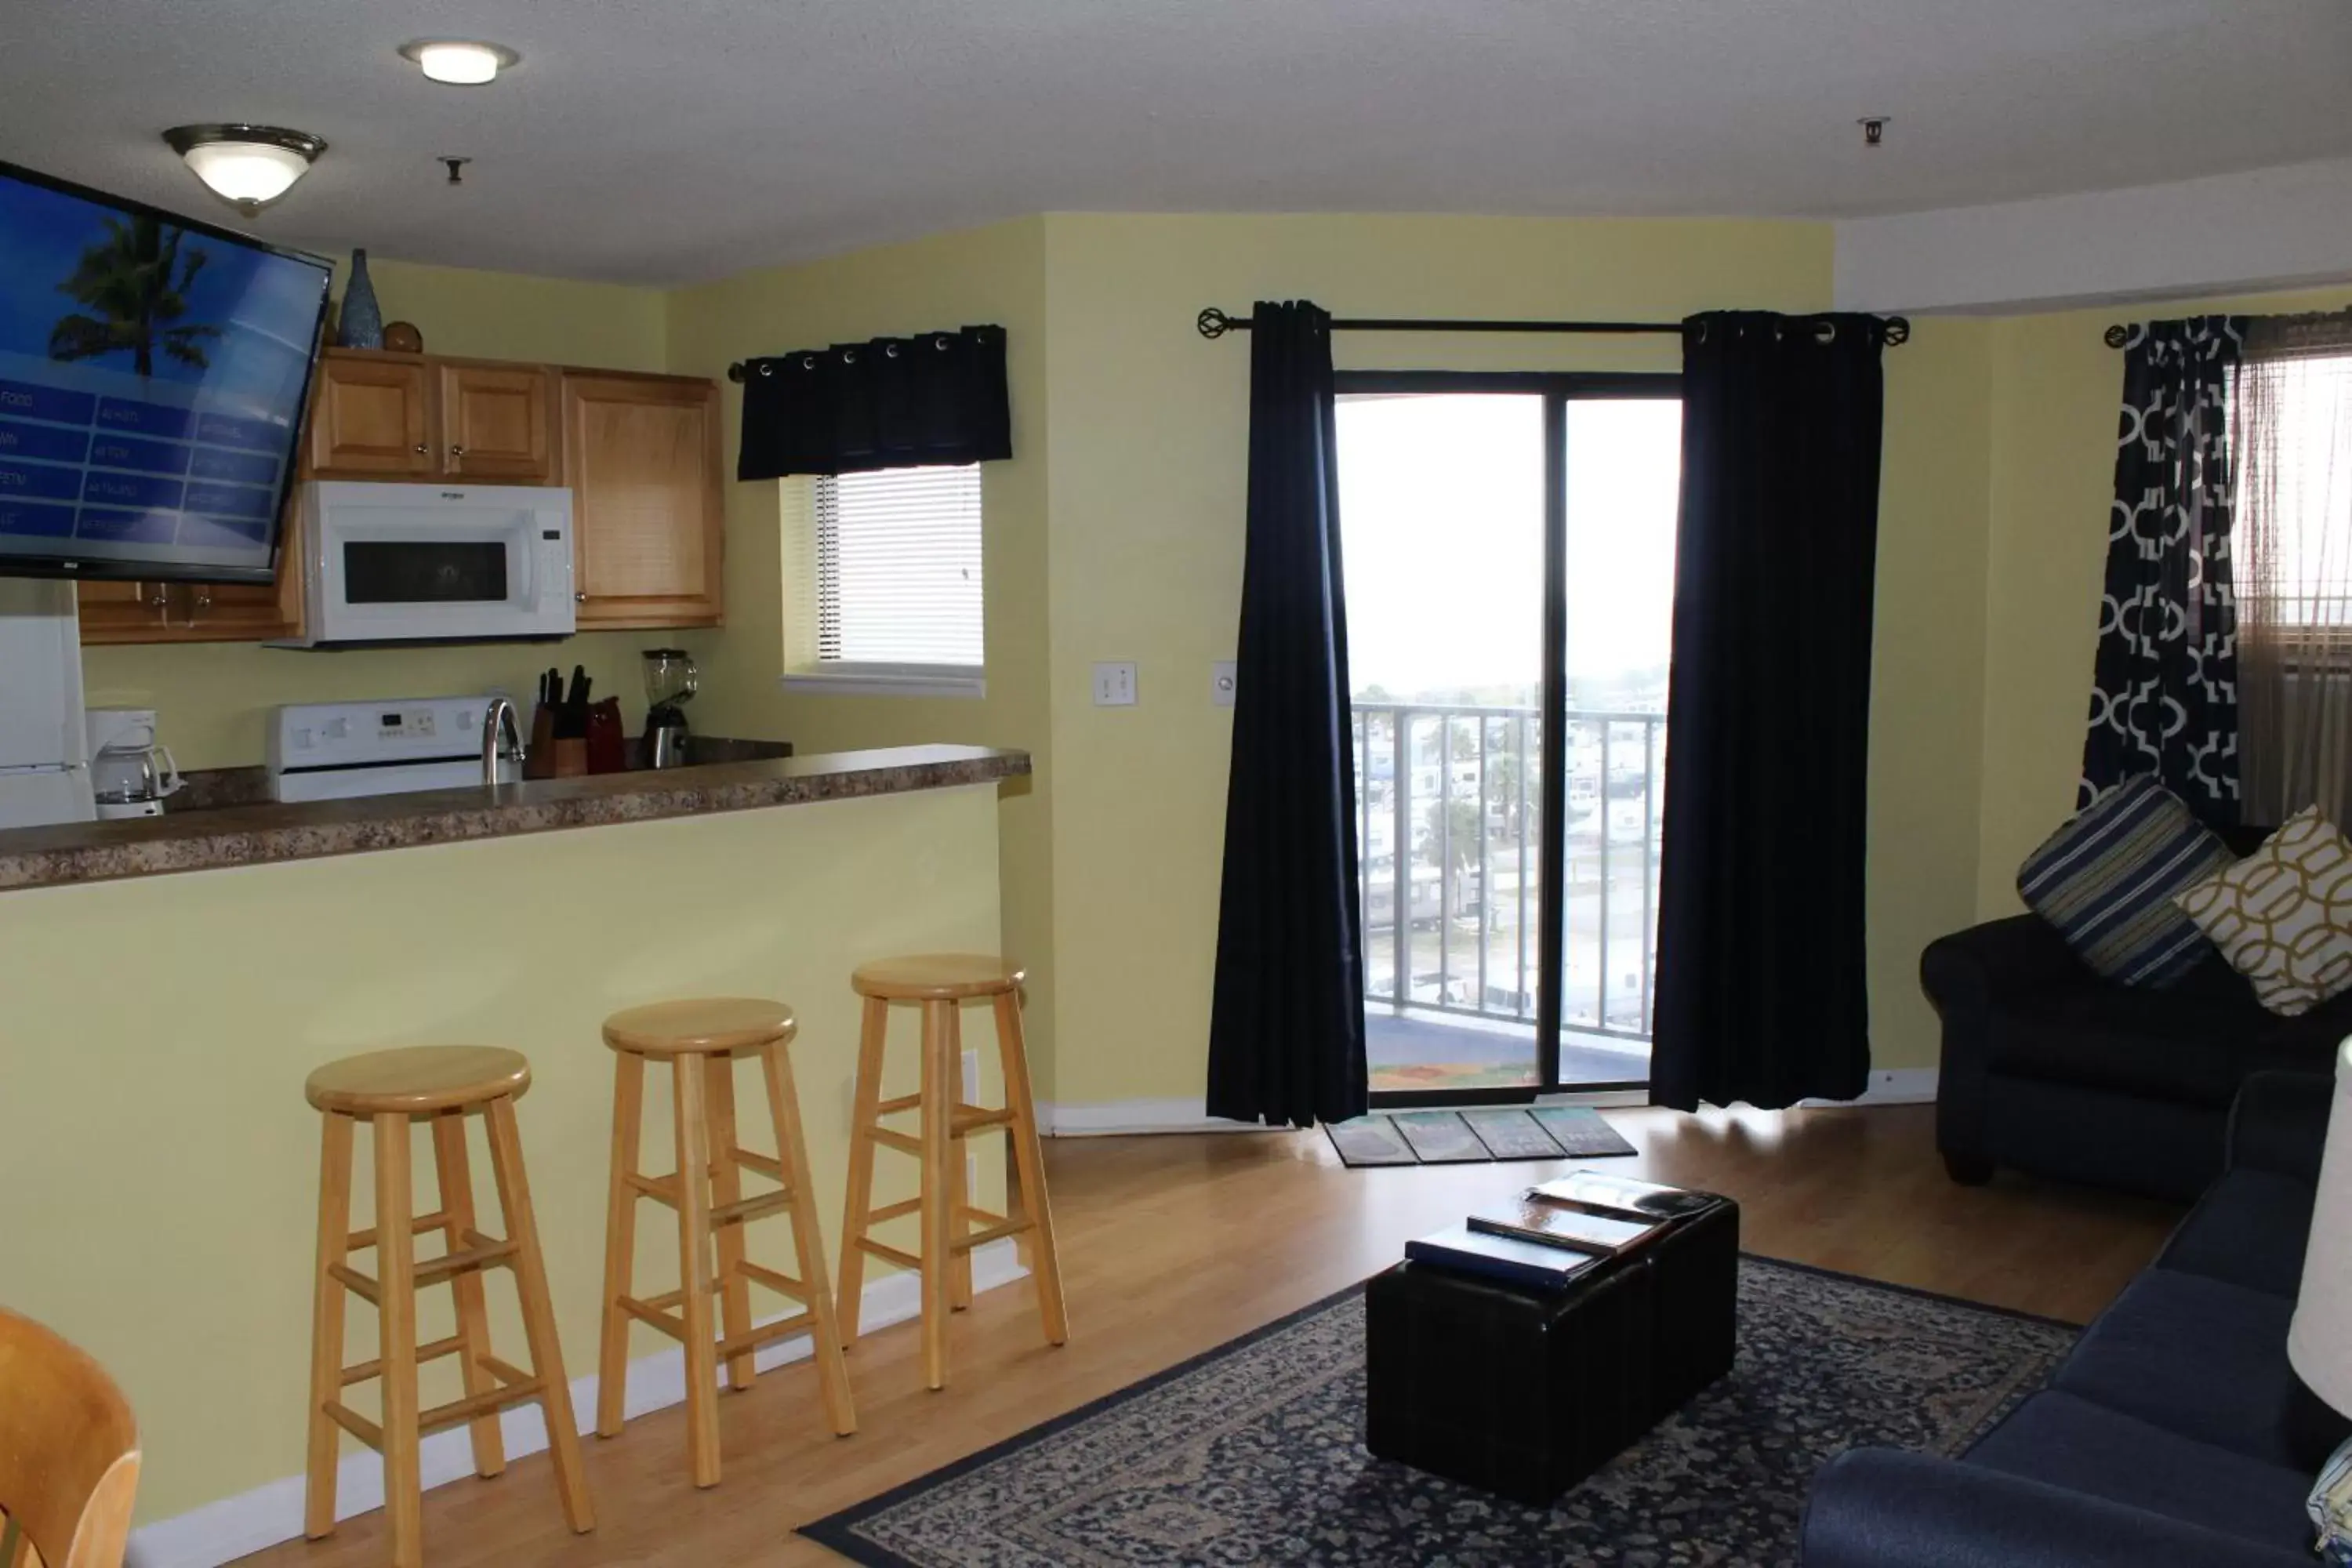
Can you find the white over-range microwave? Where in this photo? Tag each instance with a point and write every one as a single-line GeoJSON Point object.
{"type": "Point", "coordinates": [426, 564]}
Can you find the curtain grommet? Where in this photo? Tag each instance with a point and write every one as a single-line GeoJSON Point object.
{"type": "Point", "coordinates": [889, 350]}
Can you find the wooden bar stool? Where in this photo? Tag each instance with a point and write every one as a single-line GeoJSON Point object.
{"type": "Point", "coordinates": [702, 1040]}
{"type": "Point", "coordinates": [441, 1085]}
{"type": "Point", "coordinates": [940, 984]}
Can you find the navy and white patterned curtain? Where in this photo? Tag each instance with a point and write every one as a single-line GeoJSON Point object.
{"type": "Point", "coordinates": [2164, 701]}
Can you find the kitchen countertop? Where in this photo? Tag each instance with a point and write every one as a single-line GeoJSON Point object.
{"type": "Point", "coordinates": [256, 835]}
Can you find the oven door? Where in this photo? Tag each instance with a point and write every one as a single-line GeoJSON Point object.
{"type": "Point", "coordinates": [421, 564]}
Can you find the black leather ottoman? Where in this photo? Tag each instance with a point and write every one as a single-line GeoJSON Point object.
{"type": "Point", "coordinates": [1525, 1393]}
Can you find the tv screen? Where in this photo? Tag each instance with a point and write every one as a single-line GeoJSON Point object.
{"type": "Point", "coordinates": [152, 377]}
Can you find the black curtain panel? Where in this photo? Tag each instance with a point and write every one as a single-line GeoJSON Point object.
{"type": "Point", "coordinates": [2164, 695]}
{"type": "Point", "coordinates": [1761, 994]}
{"type": "Point", "coordinates": [894, 403]}
{"type": "Point", "coordinates": [1287, 1027]}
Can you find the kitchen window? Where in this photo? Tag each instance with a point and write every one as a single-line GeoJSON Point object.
{"type": "Point", "coordinates": [889, 596]}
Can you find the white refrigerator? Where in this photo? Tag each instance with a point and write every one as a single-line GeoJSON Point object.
{"type": "Point", "coordinates": [43, 748]}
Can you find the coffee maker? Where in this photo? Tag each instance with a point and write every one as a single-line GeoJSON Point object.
{"type": "Point", "coordinates": [129, 773]}
{"type": "Point", "coordinates": [670, 680]}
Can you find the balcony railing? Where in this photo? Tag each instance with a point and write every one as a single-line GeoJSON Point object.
{"type": "Point", "coordinates": [1449, 841]}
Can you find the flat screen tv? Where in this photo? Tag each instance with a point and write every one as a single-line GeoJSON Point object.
{"type": "Point", "coordinates": [153, 376]}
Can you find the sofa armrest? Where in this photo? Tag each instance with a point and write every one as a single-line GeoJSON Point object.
{"type": "Point", "coordinates": [1967, 970]}
{"type": "Point", "coordinates": [1877, 1507]}
{"type": "Point", "coordinates": [2279, 1124]}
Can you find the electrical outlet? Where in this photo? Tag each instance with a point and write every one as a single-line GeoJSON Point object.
{"type": "Point", "coordinates": [1221, 683]}
{"type": "Point", "coordinates": [1115, 685]}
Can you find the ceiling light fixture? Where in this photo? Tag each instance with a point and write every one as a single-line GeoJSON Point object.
{"type": "Point", "coordinates": [251, 165]}
{"type": "Point", "coordinates": [457, 61]}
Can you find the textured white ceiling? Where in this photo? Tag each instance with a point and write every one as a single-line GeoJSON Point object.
{"type": "Point", "coordinates": [669, 140]}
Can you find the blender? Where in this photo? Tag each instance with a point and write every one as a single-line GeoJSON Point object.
{"type": "Point", "coordinates": [670, 680]}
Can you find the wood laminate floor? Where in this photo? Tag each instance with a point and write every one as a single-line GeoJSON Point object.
{"type": "Point", "coordinates": [1173, 1245]}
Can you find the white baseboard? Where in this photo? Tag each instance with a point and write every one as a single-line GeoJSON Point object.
{"type": "Point", "coordinates": [1134, 1116]}
{"type": "Point", "coordinates": [1888, 1085]}
{"type": "Point", "coordinates": [235, 1526]}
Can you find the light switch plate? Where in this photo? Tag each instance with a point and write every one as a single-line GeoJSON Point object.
{"type": "Point", "coordinates": [1115, 685]}
{"type": "Point", "coordinates": [1221, 683]}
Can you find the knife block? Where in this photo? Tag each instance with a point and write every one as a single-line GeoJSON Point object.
{"type": "Point", "coordinates": [539, 762]}
{"type": "Point", "coordinates": [571, 757]}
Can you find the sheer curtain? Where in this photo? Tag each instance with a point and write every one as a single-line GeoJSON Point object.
{"type": "Point", "coordinates": [2293, 440]}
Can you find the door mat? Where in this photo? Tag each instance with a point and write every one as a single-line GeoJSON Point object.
{"type": "Point", "coordinates": [1481, 1135]}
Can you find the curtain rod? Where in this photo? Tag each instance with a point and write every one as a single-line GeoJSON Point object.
{"type": "Point", "coordinates": [1215, 323]}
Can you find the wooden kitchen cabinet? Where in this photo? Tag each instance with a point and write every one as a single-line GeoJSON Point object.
{"type": "Point", "coordinates": [496, 422]}
{"type": "Point", "coordinates": [117, 613]}
{"type": "Point", "coordinates": [188, 612]}
{"type": "Point", "coordinates": [371, 418]}
{"type": "Point", "coordinates": [642, 456]}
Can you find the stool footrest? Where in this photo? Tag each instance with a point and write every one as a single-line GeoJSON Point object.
{"type": "Point", "coordinates": [894, 1211]}
{"type": "Point", "coordinates": [906, 1144]}
{"type": "Point", "coordinates": [892, 1107]}
{"type": "Point", "coordinates": [750, 1208]}
{"type": "Point", "coordinates": [782, 1284]}
{"type": "Point", "coordinates": [998, 1232]}
{"type": "Point", "coordinates": [766, 1165]}
{"type": "Point", "coordinates": [418, 1227]}
{"type": "Point", "coordinates": [357, 1424]}
{"type": "Point", "coordinates": [972, 1117]}
{"type": "Point", "coordinates": [483, 1252]}
{"type": "Point", "coordinates": [661, 1189]}
{"type": "Point", "coordinates": [752, 1339]}
{"type": "Point", "coordinates": [648, 1313]}
{"type": "Point", "coordinates": [887, 1253]}
{"type": "Point", "coordinates": [433, 1351]}
{"type": "Point", "coordinates": [457, 1412]}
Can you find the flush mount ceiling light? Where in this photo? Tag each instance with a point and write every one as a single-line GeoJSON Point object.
{"type": "Point", "coordinates": [460, 62]}
{"type": "Point", "coordinates": [251, 165]}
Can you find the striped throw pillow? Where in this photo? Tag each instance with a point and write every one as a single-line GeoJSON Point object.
{"type": "Point", "coordinates": [2106, 878]}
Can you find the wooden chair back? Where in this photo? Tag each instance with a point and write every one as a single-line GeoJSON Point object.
{"type": "Point", "coordinates": [68, 1452]}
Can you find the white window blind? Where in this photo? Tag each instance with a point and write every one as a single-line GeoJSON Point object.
{"type": "Point", "coordinates": [897, 568]}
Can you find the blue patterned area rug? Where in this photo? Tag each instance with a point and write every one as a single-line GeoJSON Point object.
{"type": "Point", "coordinates": [1254, 1452]}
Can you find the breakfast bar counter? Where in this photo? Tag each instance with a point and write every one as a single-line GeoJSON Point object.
{"type": "Point", "coordinates": [257, 834]}
{"type": "Point", "coordinates": [159, 1161]}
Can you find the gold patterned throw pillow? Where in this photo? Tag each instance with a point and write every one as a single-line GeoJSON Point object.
{"type": "Point", "coordinates": [2282, 915]}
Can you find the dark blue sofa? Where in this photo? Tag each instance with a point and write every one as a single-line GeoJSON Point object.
{"type": "Point", "coordinates": [2174, 1436]}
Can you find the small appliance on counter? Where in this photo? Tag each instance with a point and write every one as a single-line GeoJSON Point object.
{"type": "Point", "coordinates": [130, 773]}
{"type": "Point", "coordinates": [671, 680]}
{"type": "Point", "coordinates": [336, 751]}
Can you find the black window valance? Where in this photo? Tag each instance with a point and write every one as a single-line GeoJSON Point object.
{"type": "Point", "coordinates": [894, 403]}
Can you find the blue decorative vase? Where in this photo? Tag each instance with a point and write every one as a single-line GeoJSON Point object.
{"type": "Point", "coordinates": [363, 319]}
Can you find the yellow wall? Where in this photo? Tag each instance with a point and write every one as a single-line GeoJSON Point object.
{"type": "Point", "coordinates": [1149, 431]}
{"type": "Point", "coordinates": [988, 275]}
{"type": "Point", "coordinates": [2055, 386]}
{"type": "Point", "coordinates": [212, 697]}
{"type": "Point", "coordinates": [1116, 532]}
{"type": "Point", "coordinates": [160, 1202]}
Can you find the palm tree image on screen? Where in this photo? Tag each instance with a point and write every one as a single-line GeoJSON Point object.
{"type": "Point", "coordinates": [134, 286]}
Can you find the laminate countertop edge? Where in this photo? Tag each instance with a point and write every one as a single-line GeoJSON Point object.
{"type": "Point", "coordinates": [72, 853]}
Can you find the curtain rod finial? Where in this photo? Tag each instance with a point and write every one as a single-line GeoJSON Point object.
{"type": "Point", "coordinates": [1896, 332]}
{"type": "Point", "coordinates": [1213, 323]}
{"type": "Point", "coordinates": [2117, 336]}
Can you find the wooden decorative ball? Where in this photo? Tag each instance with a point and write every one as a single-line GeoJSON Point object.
{"type": "Point", "coordinates": [403, 338]}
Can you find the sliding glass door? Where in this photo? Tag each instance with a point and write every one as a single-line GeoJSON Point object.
{"type": "Point", "coordinates": [1509, 557]}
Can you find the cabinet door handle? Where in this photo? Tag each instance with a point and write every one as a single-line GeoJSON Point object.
{"type": "Point", "coordinates": [581, 597]}
{"type": "Point", "coordinates": [162, 605]}
{"type": "Point", "coordinates": [199, 601]}
{"type": "Point", "coordinates": [456, 451]}
{"type": "Point", "coordinates": [422, 449]}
